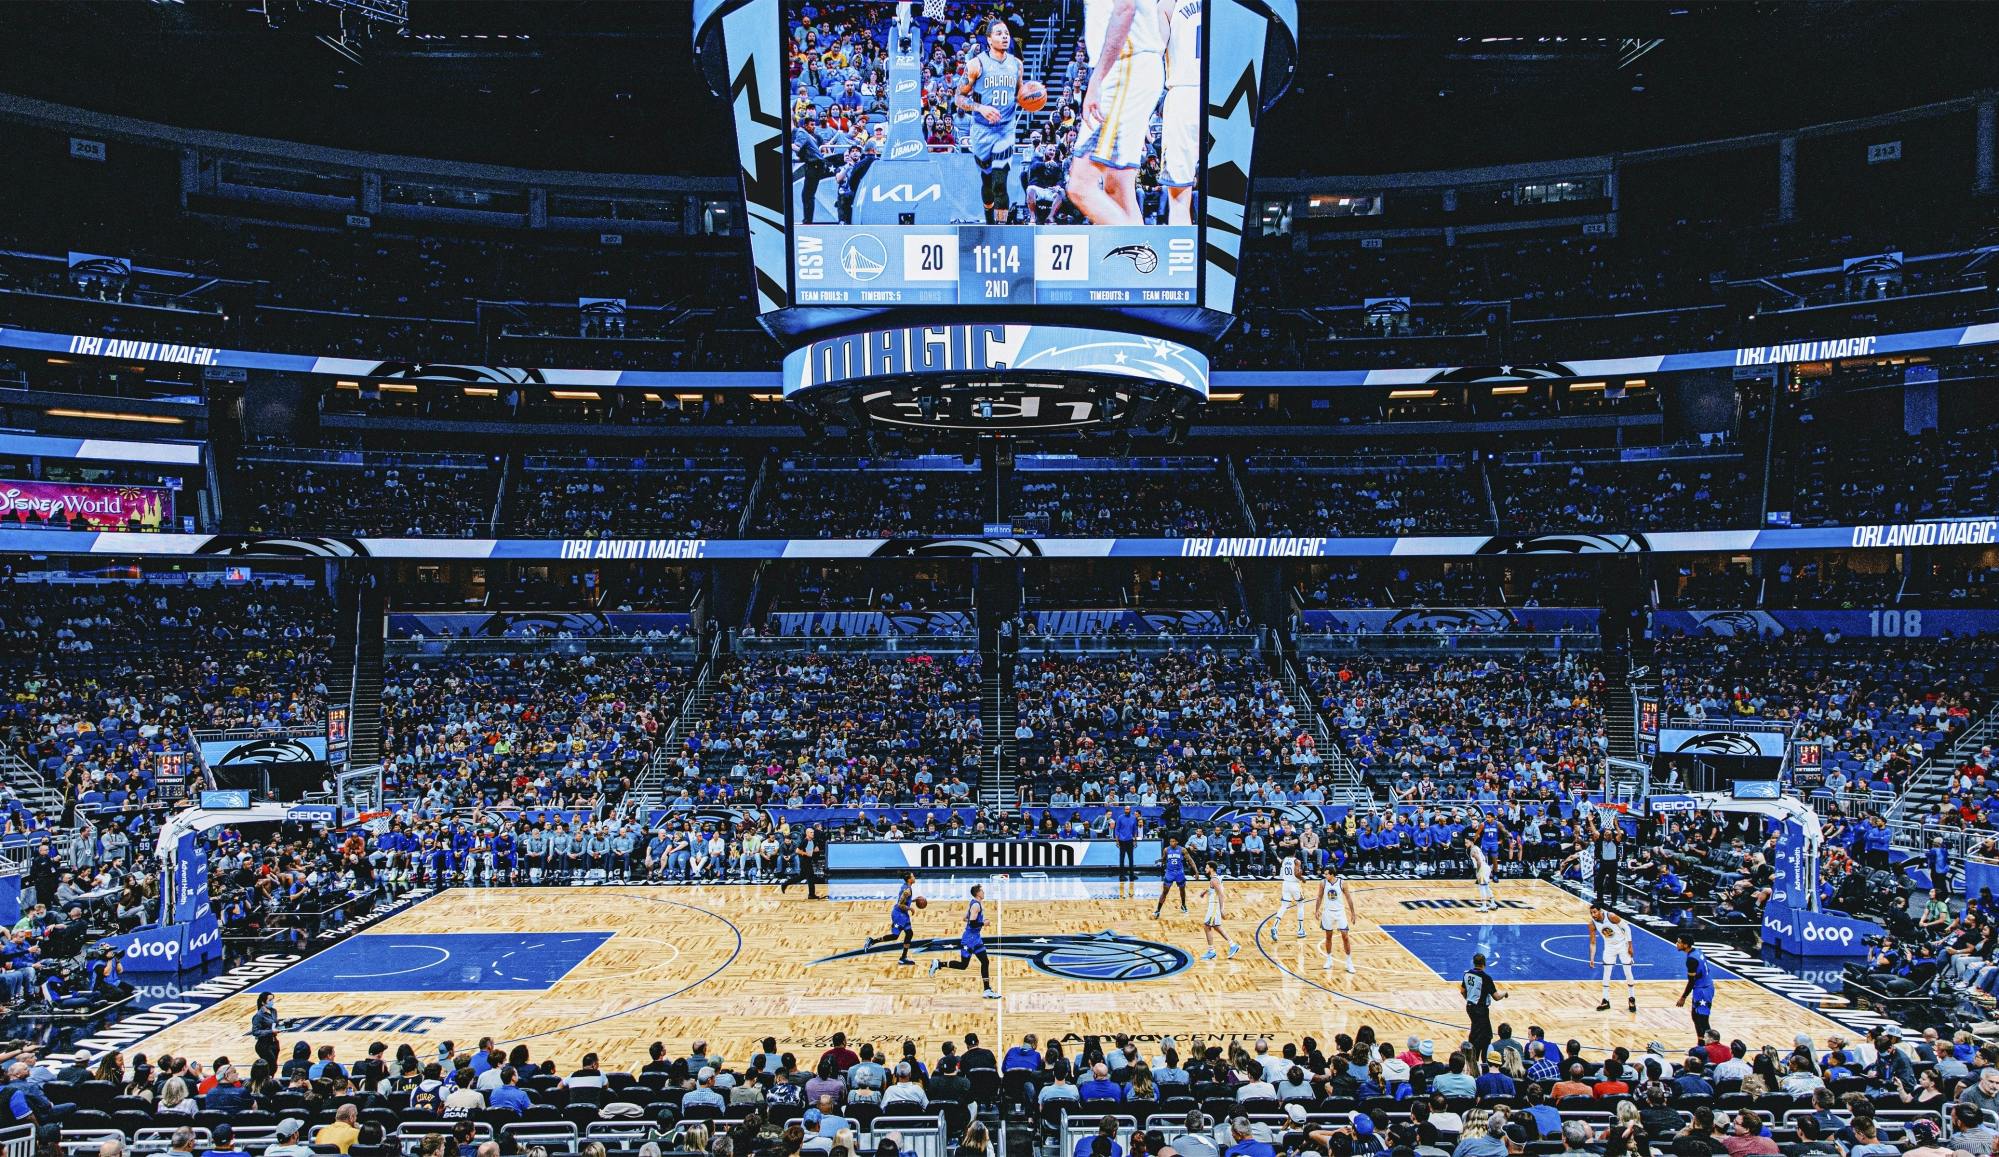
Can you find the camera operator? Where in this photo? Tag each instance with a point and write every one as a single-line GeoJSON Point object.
{"type": "Point", "coordinates": [107, 975]}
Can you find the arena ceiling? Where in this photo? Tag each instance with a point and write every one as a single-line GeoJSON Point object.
{"type": "Point", "coordinates": [610, 85]}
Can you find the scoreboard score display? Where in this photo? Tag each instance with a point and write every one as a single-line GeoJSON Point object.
{"type": "Point", "coordinates": [996, 265]}
{"type": "Point", "coordinates": [948, 154]}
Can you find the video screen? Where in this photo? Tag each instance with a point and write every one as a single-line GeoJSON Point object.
{"type": "Point", "coordinates": [1027, 152]}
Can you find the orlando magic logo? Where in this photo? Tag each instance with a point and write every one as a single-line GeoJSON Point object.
{"type": "Point", "coordinates": [1567, 544]}
{"type": "Point", "coordinates": [1144, 258]}
{"type": "Point", "coordinates": [288, 546]}
{"type": "Point", "coordinates": [1104, 956]}
{"type": "Point", "coordinates": [516, 624]}
{"type": "Point", "coordinates": [282, 750]}
{"type": "Point", "coordinates": [1450, 618]}
{"type": "Point", "coordinates": [1720, 743]}
{"type": "Point", "coordinates": [1297, 813]}
{"type": "Point", "coordinates": [1738, 624]}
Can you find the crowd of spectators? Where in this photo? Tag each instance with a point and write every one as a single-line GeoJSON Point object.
{"type": "Point", "coordinates": [645, 497]}
{"type": "Point", "coordinates": [272, 495]}
{"type": "Point", "coordinates": [1879, 708]}
{"type": "Point", "coordinates": [533, 727]}
{"type": "Point", "coordinates": [1109, 504]}
{"type": "Point", "coordinates": [1198, 723]}
{"type": "Point", "coordinates": [1485, 728]}
{"type": "Point", "coordinates": [1665, 494]}
{"type": "Point", "coordinates": [1293, 498]}
{"type": "Point", "coordinates": [859, 502]}
{"type": "Point", "coordinates": [1859, 473]}
{"type": "Point", "coordinates": [104, 676]}
{"type": "Point", "coordinates": [838, 731]}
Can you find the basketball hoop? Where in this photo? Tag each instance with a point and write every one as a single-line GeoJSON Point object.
{"type": "Point", "coordinates": [933, 9]}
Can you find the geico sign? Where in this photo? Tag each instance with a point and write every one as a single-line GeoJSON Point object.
{"type": "Point", "coordinates": [1829, 933]}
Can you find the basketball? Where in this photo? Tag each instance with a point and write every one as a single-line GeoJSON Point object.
{"type": "Point", "coordinates": [922, 903]}
{"type": "Point", "coordinates": [1033, 96]}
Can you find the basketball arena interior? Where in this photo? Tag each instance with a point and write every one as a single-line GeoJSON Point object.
{"type": "Point", "coordinates": [1017, 578]}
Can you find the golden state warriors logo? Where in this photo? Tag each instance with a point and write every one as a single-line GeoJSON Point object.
{"type": "Point", "coordinates": [1104, 956]}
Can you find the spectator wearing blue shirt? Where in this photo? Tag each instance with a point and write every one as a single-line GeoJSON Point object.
{"type": "Point", "coordinates": [1025, 1055]}
{"type": "Point", "coordinates": [1100, 1087]}
{"type": "Point", "coordinates": [704, 1093]}
{"type": "Point", "coordinates": [1102, 1143]}
{"type": "Point", "coordinates": [1493, 1083]}
{"type": "Point", "coordinates": [1246, 1143]}
{"type": "Point", "coordinates": [509, 1095]}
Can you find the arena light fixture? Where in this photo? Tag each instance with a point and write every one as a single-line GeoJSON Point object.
{"type": "Point", "coordinates": [1584, 387]}
{"type": "Point", "coordinates": [395, 387]}
{"type": "Point", "coordinates": [1507, 391]}
{"type": "Point", "coordinates": [576, 395]}
{"type": "Point", "coordinates": [1410, 395]}
{"type": "Point", "coordinates": [116, 416]}
{"type": "Point", "coordinates": [481, 392]}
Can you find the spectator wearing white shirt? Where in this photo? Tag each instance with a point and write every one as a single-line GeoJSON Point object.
{"type": "Point", "coordinates": [905, 1090]}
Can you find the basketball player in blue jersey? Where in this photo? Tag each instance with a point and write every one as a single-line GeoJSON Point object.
{"type": "Point", "coordinates": [898, 918]}
{"type": "Point", "coordinates": [990, 91]}
{"type": "Point", "coordinates": [1700, 986]}
{"type": "Point", "coordinates": [1172, 871]}
{"type": "Point", "coordinates": [973, 942]}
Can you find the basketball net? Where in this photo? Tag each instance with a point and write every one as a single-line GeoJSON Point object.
{"type": "Point", "coordinates": [933, 9]}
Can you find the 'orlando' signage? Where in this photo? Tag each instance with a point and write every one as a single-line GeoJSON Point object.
{"type": "Point", "coordinates": [143, 351]}
{"type": "Point", "coordinates": [1976, 532]}
{"type": "Point", "coordinates": [1806, 351]}
{"type": "Point", "coordinates": [634, 548]}
{"type": "Point", "coordinates": [995, 854]}
{"type": "Point", "coordinates": [1251, 547]}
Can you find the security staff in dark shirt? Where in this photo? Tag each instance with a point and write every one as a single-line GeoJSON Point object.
{"type": "Point", "coordinates": [811, 161]}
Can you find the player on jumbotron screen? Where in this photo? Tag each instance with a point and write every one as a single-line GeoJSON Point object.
{"type": "Point", "coordinates": [989, 89]}
{"type": "Point", "coordinates": [1125, 44]}
{"type": "Point", "coordinates": [1111, 137]}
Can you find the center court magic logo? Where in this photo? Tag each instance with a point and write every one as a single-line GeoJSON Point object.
{"type": "Point", "coordinates": [1104, 956]}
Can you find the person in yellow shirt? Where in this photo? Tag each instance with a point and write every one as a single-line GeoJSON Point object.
{"type": "Point", "coordinates": [343, 1132]}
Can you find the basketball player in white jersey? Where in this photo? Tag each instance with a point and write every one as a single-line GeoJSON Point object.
{"type": "Point", "coordinates": [1481, 870]}
{"type": "Point", "coordinates": [1127, 49]}
{"type": "Point", "coordinates": [1335, 909]}
{"type": "Point", "coordinates": [1616, 936]}
{"type": "Point", "coordinates": [1291, 890]}
{"type": "Point", "coordinates": [1211, 924]}
{"type": "Point", "coordinates": [1180, 116]}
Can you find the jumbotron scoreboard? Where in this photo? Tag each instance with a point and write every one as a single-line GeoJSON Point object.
{"type": "Point", "coordinates": [1055, 191]}
{"type": "Point", "coordinates": [997, 265]}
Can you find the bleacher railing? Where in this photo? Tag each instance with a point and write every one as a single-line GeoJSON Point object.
{"type": "Point", "coordinates": [300, 455]}
{"type": "Point", "coordinates": [1431, 642]}
{"type": "Point", "coordinates": [1110, 644]}
{"type": "Point", "coordinates": [760, 646]}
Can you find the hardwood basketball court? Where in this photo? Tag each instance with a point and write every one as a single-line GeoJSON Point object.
{"type": "Point", "coordinates": [612, 969]}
